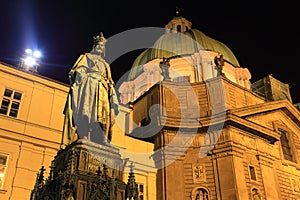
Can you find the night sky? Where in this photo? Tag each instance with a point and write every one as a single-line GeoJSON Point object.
{"type": "Point", "coordinates": [263, 39]}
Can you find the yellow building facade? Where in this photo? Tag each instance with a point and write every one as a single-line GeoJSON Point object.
{"type": "Point", "coordinates": [31, 121]}
{"type": "Point", "coordinates": [205, 133]}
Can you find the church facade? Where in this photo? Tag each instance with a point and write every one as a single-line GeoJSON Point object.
{"type": "Point", "coordinates": [191, 123]}
{"type": "Point", "coordinates": [216, 135]}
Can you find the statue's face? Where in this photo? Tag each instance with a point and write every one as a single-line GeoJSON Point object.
{"type": "Point", "coordinates": [99, 48]}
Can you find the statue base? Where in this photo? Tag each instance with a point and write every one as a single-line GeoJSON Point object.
{"type": "Point", "coordinates": [84, 170]}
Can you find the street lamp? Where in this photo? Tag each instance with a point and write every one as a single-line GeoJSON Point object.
{"type": "Point", "coordinates": [30, 60]}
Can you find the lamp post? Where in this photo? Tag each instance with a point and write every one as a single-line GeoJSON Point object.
{"type": "Point", "coordinates": [30, 60]}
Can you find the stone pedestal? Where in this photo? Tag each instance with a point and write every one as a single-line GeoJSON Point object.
{"type": "Point", "coordinates": [83, 170]}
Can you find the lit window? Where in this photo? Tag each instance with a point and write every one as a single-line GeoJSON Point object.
{"type": "Point", "coordinates": [285, 145]}
{"type": "Point", "coordinates": [10, 103]}
{"type": "Point", "coordinates": [3, 166]}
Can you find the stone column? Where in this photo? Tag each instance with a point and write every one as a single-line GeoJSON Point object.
{"type": "Point", "coordinates": [197, 67]}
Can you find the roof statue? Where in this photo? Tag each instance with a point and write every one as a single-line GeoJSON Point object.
{"type": "Point", "coordinates": [219, 63]}
{"type": "Point", "coordinates": [165, 65]}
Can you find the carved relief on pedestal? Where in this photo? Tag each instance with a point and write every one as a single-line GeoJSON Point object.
{"type": "Point", "coordinates": [68, 194]}
{"type": "Point", "coordinates": [83, 161]}
{"type": "Point", "coordinates": [199, 174]}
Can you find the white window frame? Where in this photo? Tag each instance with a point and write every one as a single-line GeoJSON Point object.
{"type": "Point", "coordinates": [11, 101]}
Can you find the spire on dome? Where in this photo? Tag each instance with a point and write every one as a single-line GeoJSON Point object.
{"type": "Point", "coordinates": [177, 12]}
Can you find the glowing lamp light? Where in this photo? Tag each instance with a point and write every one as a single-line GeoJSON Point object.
{"type": "Point", "coordinates": [28, 51]}
{"type": "Point", "coordinates": [37, 54]}
{"type": "Point", "coordinates": [29, 61]}
{"type": "Point", "coordinates": [1, 175]}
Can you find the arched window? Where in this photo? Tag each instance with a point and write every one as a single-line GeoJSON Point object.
{"type": "Point", "coordinates": [178, 28]}
{"type": "Point", "coordinates": [255, 194]}
{"type": "Point", "coordinates": [200, 194]}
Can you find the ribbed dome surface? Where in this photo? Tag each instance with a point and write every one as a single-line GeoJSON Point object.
{"type": "Point", "coordinates": [179, 44]}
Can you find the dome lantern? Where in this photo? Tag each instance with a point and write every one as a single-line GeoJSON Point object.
{"type": "Point", "coordinates": [178, 24]}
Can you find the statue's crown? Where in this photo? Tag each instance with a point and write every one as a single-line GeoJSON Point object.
{"type": "Point", "coordinates": [99, 39]}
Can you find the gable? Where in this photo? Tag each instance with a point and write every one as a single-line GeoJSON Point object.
{"type": "Point", "coordinates": [267, 117]}
{"type": "Point", "coordinates": [268, 112]}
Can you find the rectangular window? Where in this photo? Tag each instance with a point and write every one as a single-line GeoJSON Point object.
{"type": "Point", "coordinates": [285, 145]}
{"type": "Point", "coordinates": [141, 191]}
{"type": "Point", "coordinates": [3, 166]}
{"type": "Point", "coordinates": [252, 173]}
{"type": "Point", "coordinates": [10, 103]}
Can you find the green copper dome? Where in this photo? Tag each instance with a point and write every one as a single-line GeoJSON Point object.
{"type": "Point", "coordinates": [180, 44]}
